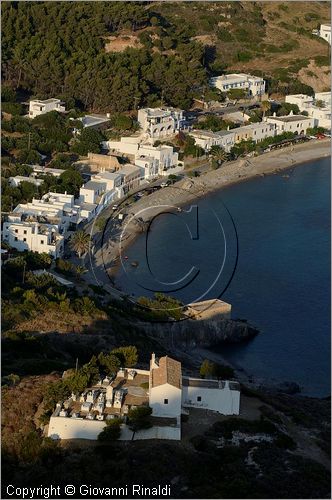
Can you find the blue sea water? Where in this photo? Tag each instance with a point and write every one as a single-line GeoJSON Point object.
{"type": "Point", "coordinates": [281, 282]}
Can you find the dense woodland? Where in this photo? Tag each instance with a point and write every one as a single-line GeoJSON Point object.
{"type": "Point", "coordinates": [58, 49]}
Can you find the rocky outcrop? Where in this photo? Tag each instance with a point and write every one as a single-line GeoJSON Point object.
{"type": "Point", "coordinates": [203, 333]}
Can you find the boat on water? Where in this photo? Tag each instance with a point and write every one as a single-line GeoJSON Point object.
{"type": "Point", "coordinates": [134, 263]}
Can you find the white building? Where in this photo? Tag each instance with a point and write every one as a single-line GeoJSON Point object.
{"type": "Point", "coordinates": [30, 235]}
{"type": "Point", "coordinates": [301, 100]}
{"type": "Point", "coordinates": [254, 85]}
{"type": "Point", "coordinates": [92, 192]}
{"type": "Point", "coordinates": [16, 181]}
{"type": "Point", "coordinates": [325, 97]}
{"type": "Point", "coordinates": [165, 158]}
{"type": "Point", "coordinates": [255, 131]}
{"type": "Point", "coordinates": [38, 107]}
{"type": "Point", "coordinates": [126, 145]}
{"type": "Point", "coordinates": [211, 395]}
{"type": "Point", "coordinates": [321, 114]}
{"type": "Point", "coordinates": [291, 123]}
{"type": "Point", "coordinates": [148, 165]}
{"type": "Point", "coordinates": [325, 32]}
{"type": "Point", "coordinates": [40, 170]}
{"type": "Point", "coordinates": [206, 139]}
{"type": "Point", "coordinates": [153, 160]}
{"type": "Point", "coordinates": [99, 192]}
{"type": "Point", "coordinates": [160, 122]}
{"type": "Point", "coordinates": [93, 121]}
{"type": "Point", "coordinates": [131, 177]}
{"type": "Point", "coordinates": [40, 226]}
{"type": "Point", "coordinates": [165, 387]}
{"type": "Point", "coordinates": [169, 395]}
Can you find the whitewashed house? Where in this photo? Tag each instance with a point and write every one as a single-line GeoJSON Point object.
{"type": "Point", "coordinates": [30, 235]}
{"type": "Point", "coordinates": [321, 114]}
{"type": "Point", "coordinates": [165, 387]}
{"type": "Point", "coordinates": [325, 32]}
{"type": "Point", "coordinates": [39, 170]}
{"type": "Point", "coordinates": [211, 394]}
{"type": "Point", "coordinates": [152, 160]}
{"type": "Point", "coordinates": [126, 145]}
{"type": "Point", "coordinates": [41, 225]}
{"type": "Point", "coordinates": [165, 158]}
{"type": "Point", "coordinates": [160, 122]}
{"type": "Point", "coordinates": [92, 192]}
{"type": "Point", "coordinates": [325, 97]}
{"type": "Point", "coordinates": [149, 166]}
{"type": "Point", "coordinates": [206, 139]}
{"type": "Point", "coordinates": [253, 85]}
{"type": "Point", "coordinates": [38, 107]}
{"type": "Point", "coordinates": [131, 177]}
{"type": "Point", "coordinates": [291, 123]}
{"type": "Point", "coordinates": [255, 131]}
{"type": "Point", "coordinates": [304, 102]}
{"type": "Point", "coordinates": [169, 394]}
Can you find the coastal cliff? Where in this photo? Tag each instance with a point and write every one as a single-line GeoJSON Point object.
{"type": "Point", "coordinates": [203, 333]}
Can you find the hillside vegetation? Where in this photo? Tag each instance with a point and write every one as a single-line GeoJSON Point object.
{"type": "Point", "coordinates": [119, 55]}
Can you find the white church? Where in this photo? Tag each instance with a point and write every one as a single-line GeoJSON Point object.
{"type": "Point", "coordinates": [163, 388]}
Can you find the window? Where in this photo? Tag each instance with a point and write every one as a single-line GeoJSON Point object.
{"type": "Point", "coordinates": [165, 401]}
{"type": "Point", "coordinates": [24, 239]}
{"type": "Point", "coordinates": [16, 238]}
{"type": "Point", "coordinates": [42, 242]}
{"type": "Point", "coordinates": [16, 231]}
{"type": "Point", "coordinates": [25, 231]}
{"type": "Point", "coordinates": [199, 398]}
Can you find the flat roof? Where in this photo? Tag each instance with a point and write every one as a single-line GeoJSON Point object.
{"type": "Point", "coordinates": [93, 185]}
{"type": "Point", "coordinates": [48, 170]}
{"type": "Point", "coordinates": [129, 169]}
{"type": "Point", "coordinates": [236, 77]}
{"type": "Point", "coordinates": [90, 120]}
{"type": "Point", "coordinates": [209, 383]}
{"type": "Point", "coordinates": [253, 126]}
{"type": "Point", "coordinates": [45, 101]}
{"type": "Point", "coordinates": [290, 118]}
{"type": "Point", "coordinates": [209, 133]}
{"type": "Point", "coordinates": [108, 175]}
{"type": "Point", "coordinates": [212, 304]}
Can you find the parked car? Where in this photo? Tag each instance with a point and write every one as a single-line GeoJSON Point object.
{"type": "Point", "coordinates": [164, 184]}
{"type": "Point", "coordinates": [115, 207]}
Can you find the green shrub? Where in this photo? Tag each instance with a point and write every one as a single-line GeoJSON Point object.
{"type": "Point", "coordinates": [322, 60]}
{"type": "Point", "coordinates": [12, 108]}
{"type": "Point", "coordinates": [244, 56]}
{"type": "Point", "coordinates": [111, 432]}
{"type": "Point", "coordinates": [139, 418]}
